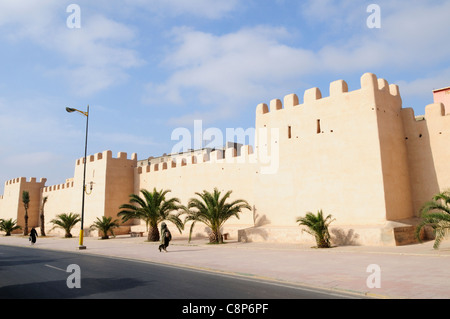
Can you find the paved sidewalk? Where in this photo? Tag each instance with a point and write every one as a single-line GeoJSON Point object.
{"type": "Point", "coordinates": [414, 271]}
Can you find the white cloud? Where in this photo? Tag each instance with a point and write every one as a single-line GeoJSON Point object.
{"type": "Point", "coordinates": [35, 159]}
{"type": "Point", "coordinates": [98, 53]}
{"type": "Point", "coordinates": [27, 15]}
{"type": "Point", "coordinates": [410, 35]}
{"type": "Point", "coordinates": [413, 33]}
{"type": "Point", "coordinates": [109, 138]}
{"type": "Point", "coordinates": [97, 56]}
{"type": "Point", "coordinates": [336, 15]}
{"type": "Point", "coordinates": [229, 70]}
{"type": "Point", "coordinates": [423, 87]}
{"type": "Point", "coordinates": [86, 80]}
{"type": "Point", "coordinates": [210, 9]}
{"type": "Point", "coordinates": [207, 117]}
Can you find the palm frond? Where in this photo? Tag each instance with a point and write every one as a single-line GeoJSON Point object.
{"type": "Point", "coordinates": [436, 214]}
{"type": "Point", "coordinates": [105, 225]}
{"type": "Point", "coordinates": [152, 207]}
{"type": "Point", "coordinates": [213, 210]}
{"type": "Point", "coordinates": [66, 222]}
{"type": "Point", "coordinates": [443, 196]}
{"type": "Point", "coordinates": [317, 226]}
{"type": "Point", "coordinates": [8, 226]}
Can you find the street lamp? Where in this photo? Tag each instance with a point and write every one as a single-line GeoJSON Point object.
{"type": "Point", "coordinates": [70, 110]}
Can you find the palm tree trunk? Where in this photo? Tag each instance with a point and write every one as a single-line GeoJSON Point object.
{"type": "Point", "coordinates": [41, 215]}
{"type": "Point", "coordinates": [25, 229]}
{"type": "Point", "coordinates": [323, 243]}
{"type": "Point", "coordinates": [42, 224]}
{"type": "Point", "coordinates": [215, 237]}
{"type": "Point", "coordinates": [153, 233]}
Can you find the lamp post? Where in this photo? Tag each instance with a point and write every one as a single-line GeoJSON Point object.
{"type": "Point", "coordinates": [70, 110]}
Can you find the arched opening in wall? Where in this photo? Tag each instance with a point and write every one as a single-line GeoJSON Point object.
{"type": "Point", "coordinates": [318, 127]}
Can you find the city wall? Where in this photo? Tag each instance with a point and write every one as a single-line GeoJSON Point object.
{"type": "Point", "coordinates": [427, 141]}
{"type": "Point", "coordinates": [196, 173]}
{"type": "Point", "coordinates": [11, 204]}
{"type": "Point", "coordinates": [357, 155]}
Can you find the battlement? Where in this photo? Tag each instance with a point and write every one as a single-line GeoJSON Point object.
{"type": "Point", "coordinates": [229, 155]}
{"type": "Point", "coordinates": [370, 84]}
{"type": "Point", "coordinates": [106, 155]}
{"type": "Point", "coordinates": [435, 122]}
{"type": "Point", "coordinates": [434, 111]}
{"type": "Point", "coordinates": [23, 180]}
{"type": "Point", "coordinates": [57, 187]}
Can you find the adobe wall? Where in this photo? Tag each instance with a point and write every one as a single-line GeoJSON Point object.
{"type": "Point", "coordinates": [119, 183]}
{"type": "Point", "coordinates": [427, 140]}
{"type": "Point", "coordinates": [113, 181]}
{"type": "Point", "coordinates": [12, 205]}
{"type": "Point", "coordinates": [394, 154]}
{"type": "Point", "coordinates": [356, 155]}
{"type": "Point", "coordinates": [197, 173]}
{"type": "Point", "coordinates": [61, 199]}
{"type": "Point", "coordinates": [329, 157]}
{"type": "Point", "coordinates": [442, 96]}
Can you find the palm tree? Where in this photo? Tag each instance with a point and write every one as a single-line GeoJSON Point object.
{"type": "Point", "coordinates": [436, 213]}
{"type": "Point", "coordinates": [213, 211]}
{"type": "Point", "coordinates": [153, 208]}
{"type": "Point", "coordinates": [41, 215]}
{"type": "Point", "coordinates": [105, 225]}
{"type": "Point", "coordinates": [317, 226]}
{"type": "Point", "coordinates": [26, 203]}
{"type": "Point", "coordinates": [8, 226]}
{"type": "Point", "coordinates": [66, 222]}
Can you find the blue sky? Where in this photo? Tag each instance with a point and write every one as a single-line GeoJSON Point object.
{"type": "Point", "coordinates": [149, 67]}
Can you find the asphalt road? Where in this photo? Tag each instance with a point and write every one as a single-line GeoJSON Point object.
{"type": "Point", "coordinates": [27, 272]}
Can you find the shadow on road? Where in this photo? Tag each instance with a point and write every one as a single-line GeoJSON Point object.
{"type": "Point", "coordinates": [58, 289]}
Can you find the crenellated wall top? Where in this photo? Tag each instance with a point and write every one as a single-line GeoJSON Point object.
{"type": "Point", "coordinates": [23, 180]}
{"type": "Point", "coordinates": [229, 155]}
{"type": "Point", "coordinates": [369, 84]}
{"type": "Point", "coordinates": [107, 155]}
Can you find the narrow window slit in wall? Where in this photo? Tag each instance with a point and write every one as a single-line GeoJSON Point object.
{"type": "Point", "coordinates": [318, 127]}
{"type": "Point", "coordinates": [289, 131]}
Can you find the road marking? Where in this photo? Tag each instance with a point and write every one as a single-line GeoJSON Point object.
{"type": "Point", "coordinates": [56, 268]}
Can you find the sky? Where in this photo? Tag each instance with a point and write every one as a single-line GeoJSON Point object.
{"type": "Point", "coordinates": [146, 68]}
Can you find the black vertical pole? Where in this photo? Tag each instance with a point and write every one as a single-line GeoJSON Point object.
{"type": "Point", "coordinates": [84, 183]}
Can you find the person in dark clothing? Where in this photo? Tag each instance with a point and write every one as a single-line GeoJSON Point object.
{"type": "Point", "coordinates": [33, 236]}
{"type": "Point", "coordinates": [166, 237]}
